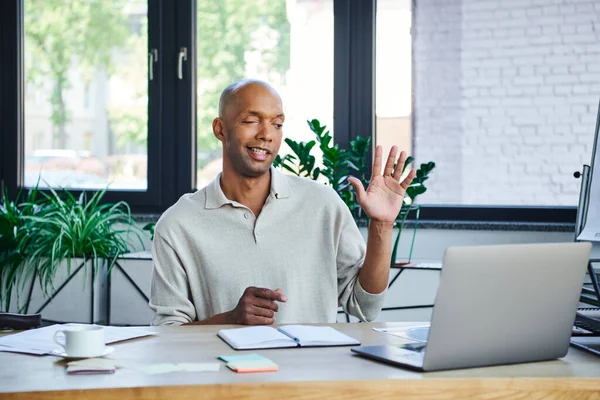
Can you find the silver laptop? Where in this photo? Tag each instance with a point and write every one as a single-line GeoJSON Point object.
{"type": "Point", "coordinates": [501, 304]}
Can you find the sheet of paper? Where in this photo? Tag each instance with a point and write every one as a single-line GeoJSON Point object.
{"type": "Point", "coordinates": [154, 369]}
{"type": "Point", "coordinates": [317, 334]}
{"type": "Point", "coordinates": [40, 341]}
{"type": "Point", "coordinates": [199, 367]}
{"type": "Point", "coordinates": [113, 334]}
{"type": "Point", "coordinates": [24, 350]}
{"type": "Point", "coordinates": [417, 333]}
{"type": "Point", "coordinates": [254, 335]}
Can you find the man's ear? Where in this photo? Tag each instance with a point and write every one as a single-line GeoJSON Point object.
{"type": "Point", "coordinates": [218, 129]}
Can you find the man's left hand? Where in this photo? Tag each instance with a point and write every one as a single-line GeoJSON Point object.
{"type": "Point", "coordinates": [383, 198]}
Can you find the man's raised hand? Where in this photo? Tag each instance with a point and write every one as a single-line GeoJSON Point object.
{"type": "Point", "coordinates": [383, 198]}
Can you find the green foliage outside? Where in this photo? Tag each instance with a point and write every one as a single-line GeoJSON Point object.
{"type": "Point", "coordinates": [60, 34]}
{"type": "Point", "coordinates": [89, 35]}
{"type": "Point", "coordinates": [130, 124]}
{"type": "Point", "coordinates": [228, 32]}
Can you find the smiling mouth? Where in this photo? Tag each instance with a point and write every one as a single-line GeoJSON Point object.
{"type": "Point", "coordinates": [259, 151]}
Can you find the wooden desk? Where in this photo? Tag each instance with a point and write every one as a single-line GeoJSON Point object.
{"type": "Point", "coordinates": [318, 373]}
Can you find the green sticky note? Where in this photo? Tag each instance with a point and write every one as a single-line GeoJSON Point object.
{"type": "Point", "coordinates": [244, 357]}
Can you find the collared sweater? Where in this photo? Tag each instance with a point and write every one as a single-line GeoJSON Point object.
{"type": "Point", "coordinates": [208, 249]}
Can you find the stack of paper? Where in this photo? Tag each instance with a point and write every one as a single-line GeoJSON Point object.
{"type": "Point", "coordinates": [40, 341]}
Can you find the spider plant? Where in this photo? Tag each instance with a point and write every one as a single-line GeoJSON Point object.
{"type": "Point", "coordinates": [12, 261]}
{"type": "Point", "coordinates": [67, 228]}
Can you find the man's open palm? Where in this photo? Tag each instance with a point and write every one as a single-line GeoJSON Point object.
{"type": "Point", "coordinates": [383, 198]}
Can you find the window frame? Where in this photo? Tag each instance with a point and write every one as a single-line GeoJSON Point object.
{"type": "Point", "coordinates": [12, 115]}
{"type": "Point", "coordinates": [462, 213]}
{"type": "Point", "coordinates": [172, 103]}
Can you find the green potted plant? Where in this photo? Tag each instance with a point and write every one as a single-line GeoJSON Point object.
{"type": "Point", "coordinates": [64, 229]}
{"type": "Point", "coordinates": [339, 163]}
{"type": "Point", "coordinates": [12, 272]}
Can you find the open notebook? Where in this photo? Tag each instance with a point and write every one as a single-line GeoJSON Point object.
{"type": "Point", "coordinates": [266, 337]}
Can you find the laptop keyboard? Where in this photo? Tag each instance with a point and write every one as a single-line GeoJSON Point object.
{"type": "Point", "coordinates": [587, 322]}
{"type": "Point", "coordinates": [420, 333]}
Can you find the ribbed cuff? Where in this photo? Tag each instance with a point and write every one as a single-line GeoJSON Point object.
{"type": "Point", "coordinates": [369, 304]}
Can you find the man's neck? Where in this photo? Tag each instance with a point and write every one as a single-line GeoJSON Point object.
{"type": "Point", "coordinates": [251, 192]}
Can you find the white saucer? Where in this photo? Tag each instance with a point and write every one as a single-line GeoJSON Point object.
{"type": "Point", "coordinates": [107, 350]}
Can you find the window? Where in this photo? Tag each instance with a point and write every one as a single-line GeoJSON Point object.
{"type": "Point", "coordinates": [506, 100]}
{"type": "Point", "coordinates": [288, 43]}
{"type": "Point", "coordinates": [393, 68]}
{"type": "Point", "coordinates": [86, 113]}
{"type": "Point", "coordinates": [502, 98]}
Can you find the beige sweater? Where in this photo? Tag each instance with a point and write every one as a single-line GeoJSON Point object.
{"type": "Point", "coordinates": [208, 249]}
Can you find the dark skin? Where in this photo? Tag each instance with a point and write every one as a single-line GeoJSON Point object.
{"type": "Point", "coordinates": [250, 128]}
{"type": "Point", "coordinates": [251, 121]}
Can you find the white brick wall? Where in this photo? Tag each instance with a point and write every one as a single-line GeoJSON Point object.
{"type": "Point", "coordinates": [438, 129]}
{"type": "Point", "coordinates": [506, 94]}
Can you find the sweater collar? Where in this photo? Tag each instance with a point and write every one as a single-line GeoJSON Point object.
{"type": "Point", "coordinates": [215, 198]}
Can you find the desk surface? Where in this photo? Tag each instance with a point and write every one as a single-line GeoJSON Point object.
{"type": "Point", "coordinates": [331, 372]}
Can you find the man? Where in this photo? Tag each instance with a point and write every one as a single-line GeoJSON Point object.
{"type": "Point", "coordinates": [259, 247]}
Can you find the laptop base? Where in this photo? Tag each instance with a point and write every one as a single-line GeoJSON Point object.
{"type": "Point", "coordinates": [410, 355]}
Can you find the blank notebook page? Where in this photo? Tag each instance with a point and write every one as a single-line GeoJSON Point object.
{"type": "Point", "coordinates": [263, 336]}
{"type": "Point", "coordinates": [318, 335]}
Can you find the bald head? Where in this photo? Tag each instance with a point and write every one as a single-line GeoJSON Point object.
{"type": "Point", "coordinates": [250, 127]}
{"type": "Point", "coordinates": [229, 96]}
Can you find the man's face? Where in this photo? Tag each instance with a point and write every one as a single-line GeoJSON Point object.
{"type": "Point", "coordinates": [252, 130]}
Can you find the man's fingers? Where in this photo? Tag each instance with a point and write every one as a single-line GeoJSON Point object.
{"type": "Point", "coordinates": [407, 181]}
{"type": "Point", "coordinates": [268, 294]}
{"type": "Point", "coordinates": [262, 312]}
{"type": "Point", "coordinates": [389, 165]}
{"type": "Point", "coordinates": [264, 303]}
{"type": "Point", "coordinates": [358, 188]}
{"type": "Point", "coordinates": [376, 163]}
{"type": "Point", "coordinates": [257, 320]}
{"type": "Point", "coordinates": [282, 297]}
{"type": "Point", "coordinates": [400, 166]}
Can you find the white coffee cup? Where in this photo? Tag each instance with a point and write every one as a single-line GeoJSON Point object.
{"type": "Point", "coordinates": [82, 340]}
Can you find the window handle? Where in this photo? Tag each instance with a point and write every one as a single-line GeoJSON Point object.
{"type": "Point", "coordinates": [182, 57]}
{"type": "Point", "coordinates": [152, 59]}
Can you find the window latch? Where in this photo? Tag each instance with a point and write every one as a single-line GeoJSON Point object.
{"type": "Point", "coordinates": [182, 57]}
{"type": "Point", "coordinates": [152, 59]}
